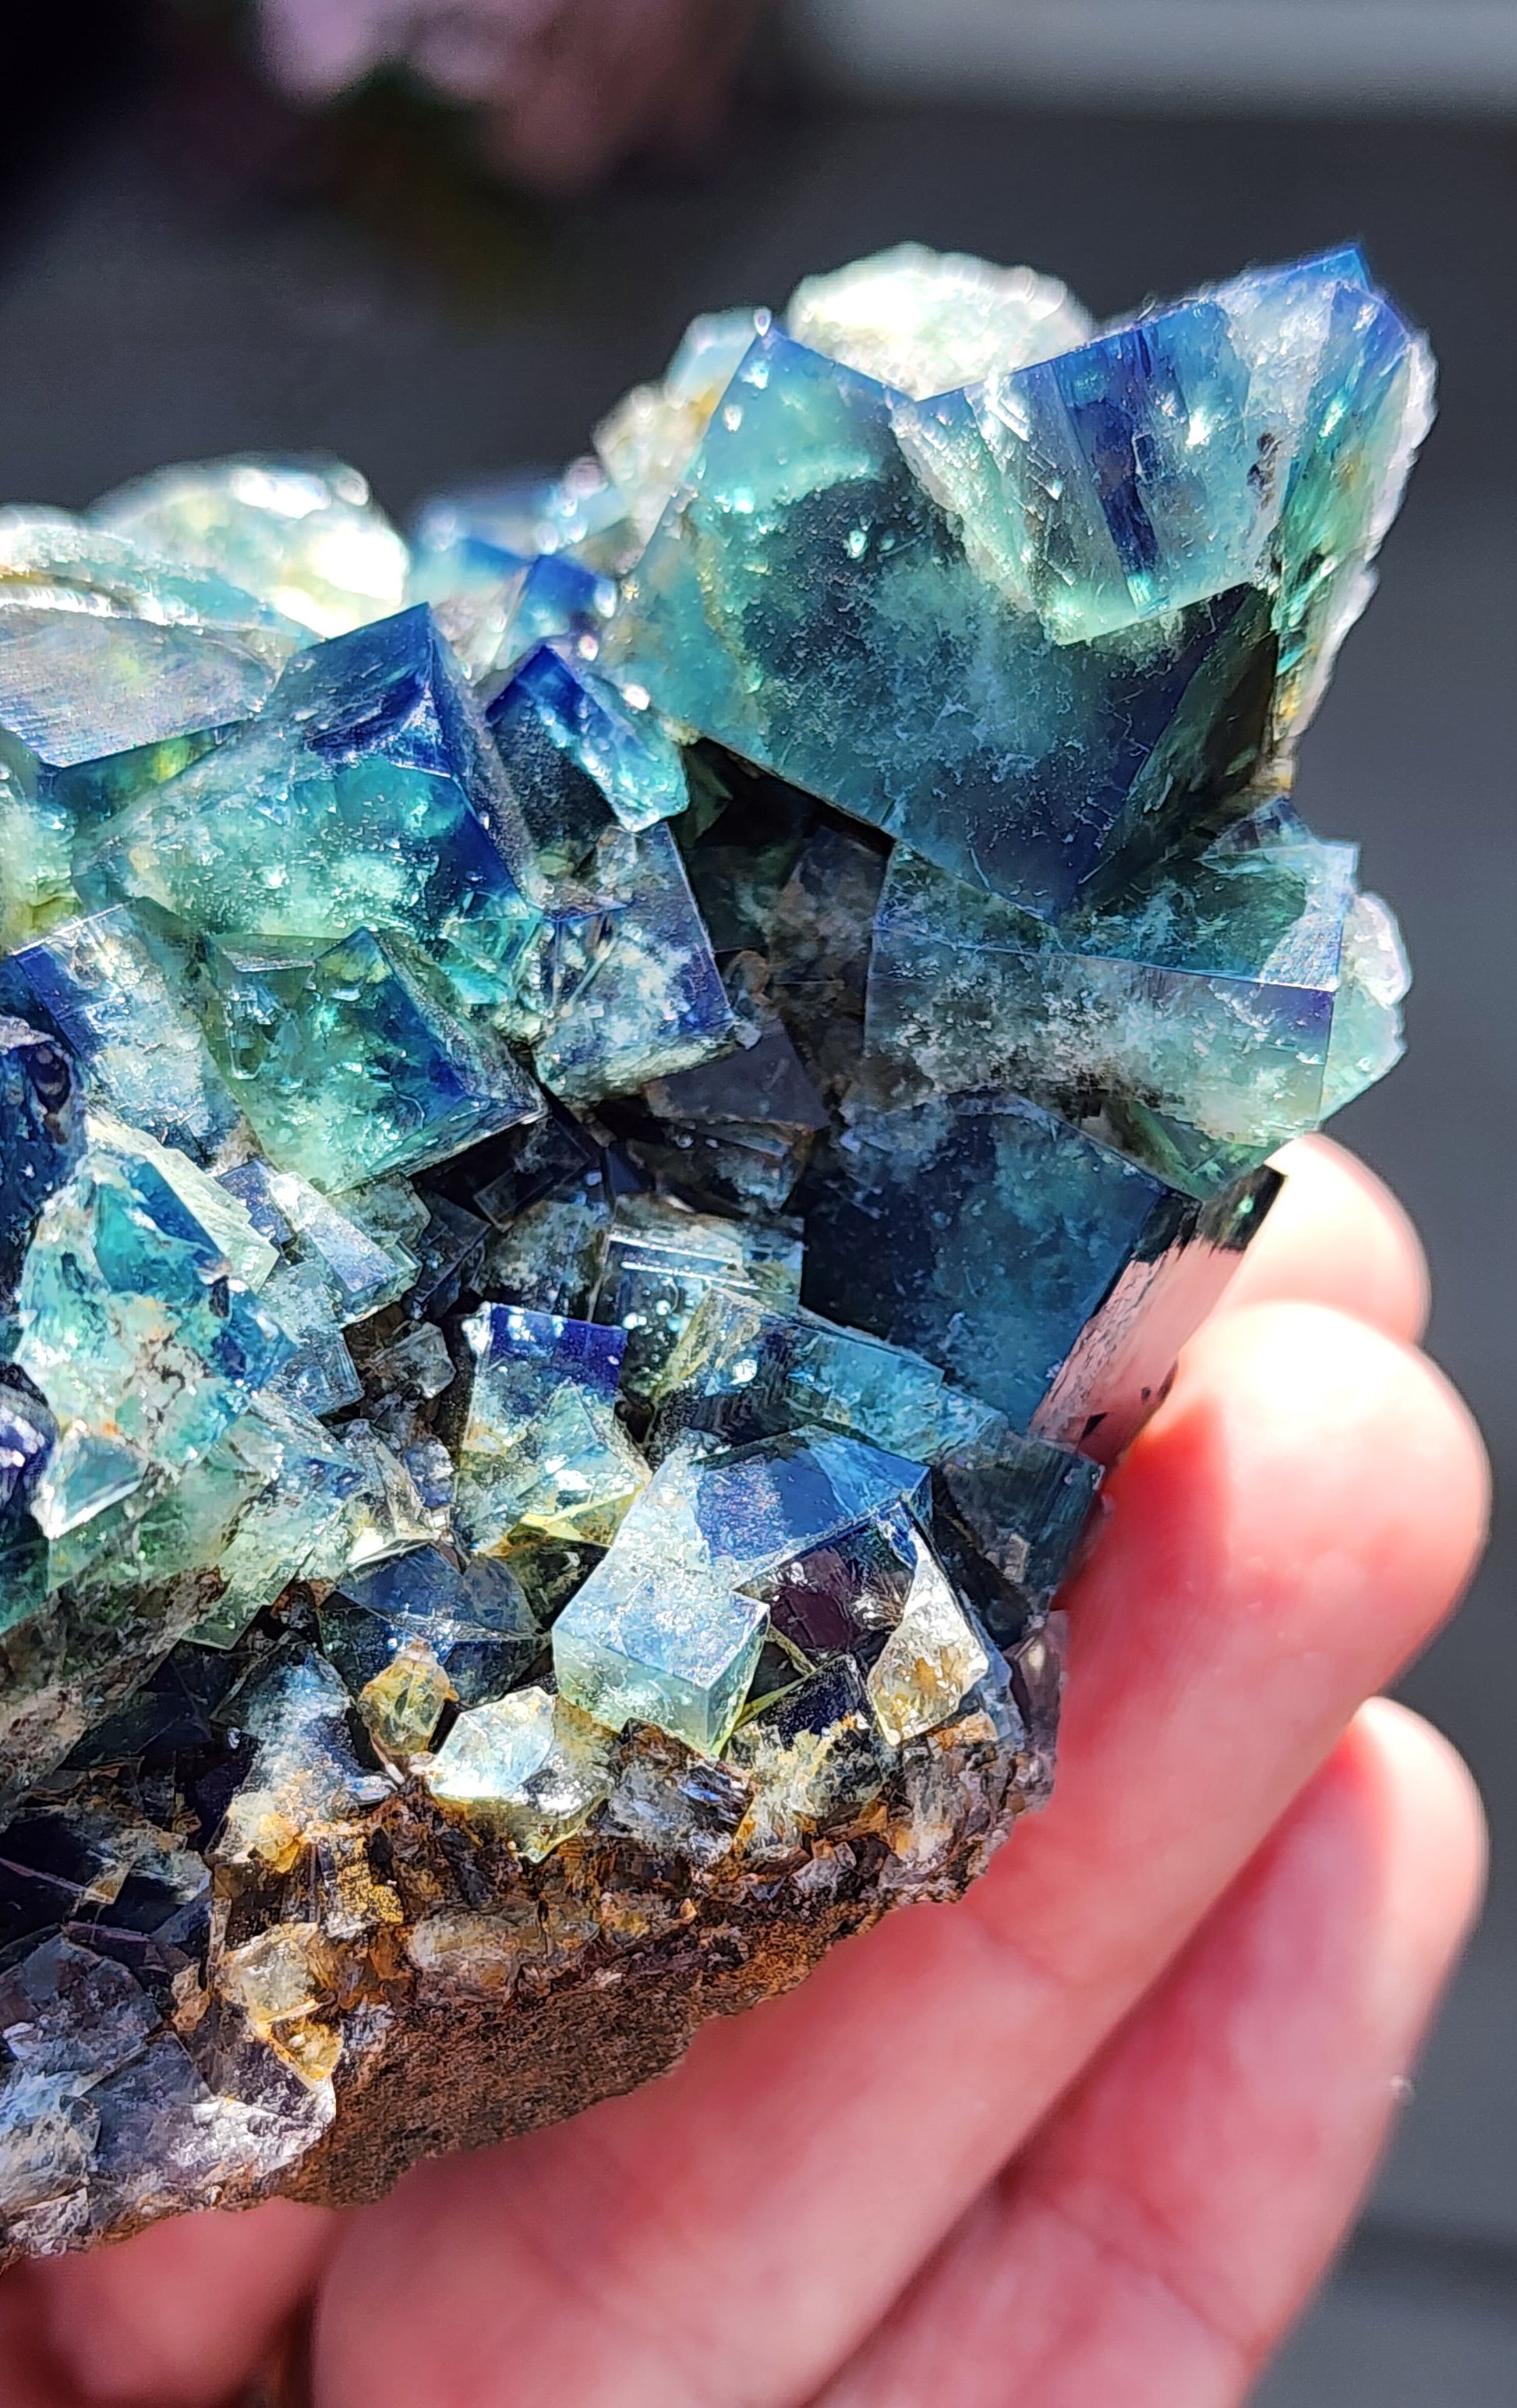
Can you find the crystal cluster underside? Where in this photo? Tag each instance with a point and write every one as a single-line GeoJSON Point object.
{"type": "Point", "coordinates": [607, 1114]}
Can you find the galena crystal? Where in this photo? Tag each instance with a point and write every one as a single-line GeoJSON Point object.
{"type": "Point", "coordinates": [608, 1115]}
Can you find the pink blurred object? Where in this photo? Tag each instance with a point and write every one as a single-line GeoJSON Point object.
{"type": "Point", "coordinates": [567, 86]}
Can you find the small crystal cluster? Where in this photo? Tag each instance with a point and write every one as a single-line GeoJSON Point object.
{"type": "Point", "coordinates": [607, 1115]}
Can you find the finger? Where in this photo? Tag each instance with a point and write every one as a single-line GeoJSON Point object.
{"type": "Point", "coordinates": [1162, 2231]}
{"type": "Point", "coordinates": [1290, 1526]}
{"type": "Point", "coordinates": [1336, 1235]}
{"type": "Point", "coordinates": [179, 2315]}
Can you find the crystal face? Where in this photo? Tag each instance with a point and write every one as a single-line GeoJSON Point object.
{"type": "Point", "coordinates": [1040, 626]}
{"type": "Point", "coordinates": [304, 536]}
{"type": "Point", "coordinates": [1226, 1003]}
{"type": "Point", "coordinates": [609, 1114]}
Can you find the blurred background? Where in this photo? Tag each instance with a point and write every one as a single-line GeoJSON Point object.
{"type": "Point", "coordinates": [456, 264]}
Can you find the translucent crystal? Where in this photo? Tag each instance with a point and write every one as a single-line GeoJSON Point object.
{"type": "Point", "coordinates": [654, 1002]}
{"type": "Point", "coordinates": [360, 1272]}
{"type": "Point", "coordinates": [463, 1617]}
{"type": "Point", "coordinates": [931, 1660]}
{"type": "Point", "coordinates": [674, 1803]}
{"type": "Point", "coordinates": [139, 1050]}
{"type": "Point", "coordinates": [312, 1501]}
{"type": "Point", "coordinates": [116, 666]}
{"type": "Point", "coordinates": [418, 1363]}
{"type": "Point", "coordinates": [403, 1704]}
{"type": "Point", "coordinates": [924, 321]}
{"type": "Point", "coordinates": [217, 1210]}
{"type": "Point", "coordinates": [344, 1061]}
{"type": "Point", "coordinates": [41, 1135]}
{"type": "Point", "coordinates": [64, 2009]}
{"type": "Point", "coordinates": [495, 605]}
{"type": "Point", "coordinates": [846, 1596]}
{"type": "Point", "coordinates": [281, 1980]}
{"type": "Point", "coordinates": [661, 1631]}
{"type": "Point", "coordinates": [134, 1327]}
{"type": "Point", "coordinates": [550, 1257]}
{"type": "Point", "coordinates": [659, 1643]}
{"type": "Point", "coordinates": [542, 1453]}
{"type": "Point", "coordinates": [647, 441]}
{"type": "Point", "coordinates": [560, 728]}
{"type": "Point", "coordinates": [48, 2132]}
{"type": "Point", "coordinates": [529, 514]}
{"type": "Point", "coordinates": [475, 1619]}
{"type": "Point", "coordinates": [305, 536]}
{"type": "Point", "coordinates": [382, 806]}
{"type": "Point", "coordinates": [529, 1764]}
{"type": "Point", "coordinates": [661, 1260]}
{"type": "Point", "coordinates": [816, 1758]}
{"type": "Point", "coordinates": [321, 1376]}
{"type": "Point", "coordinates": [304, 1775]}
{"type": "Point", "coordinates": [1373, 977]}
{"type": "Point", "coordinates": [1208, 995]}
{"type": "Point", "coordinates": [1039, 626]}
{"type": "Point", "coordinates": [1053, 1277]}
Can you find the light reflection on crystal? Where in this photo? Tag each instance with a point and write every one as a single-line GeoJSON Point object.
{"type": "Point", "coordinates": [568, 1275]}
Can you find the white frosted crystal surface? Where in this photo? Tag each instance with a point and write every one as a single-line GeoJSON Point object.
{"type": "Point", "coordinates": [925, 320]}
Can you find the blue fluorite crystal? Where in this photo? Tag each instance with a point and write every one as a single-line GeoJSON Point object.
{"type": "Point", "coordinates": [354, 947]}
{"type": "Point", "coordinates": [591, 1173]}
{"type": "Point", "coordinates": [475, 1618]}
{"type": "Point", "coordinates": [98, 985]}
{"type": "Point", "coordinates": [495, 605]}
{"type": "Point", "coordinates": [115, 669]}
{"type": "Point", "coordinates": [559, 726]}
{"type": "Point", "coordinates": [380, 804]}
{"type": "Point", "coordinates": [41, 1133]}
{"type": "Point", "coordinates": [542, 1453]}
{"type": "Point", "coordinates": [527, 516]}
{"type": "Point", "coordinates": [1052, 1276]}
{"type": "Point", "coordinates": [1226, 1003]}
{"type": "Point", "coordinates": [663, 1631]}
{"type": "Point", "coordinates": [652, 1002]}
{"type": "Point", "coordinates": [1041, 625]}
{"type": "Point", "coordinates": [136, 1330]}
{"type": "Point", "coordinates": [345, 1060]}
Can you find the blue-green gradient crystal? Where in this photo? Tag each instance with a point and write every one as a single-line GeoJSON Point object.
{"type": "Point", "coordinates": [1241, 993]}
{"type": "Point", "coordinates": [139, 1049]}
{"type": "Point", "coordinates": [144, 1343]}
{"type": "Point", "coordinates": [305, 536]}
{"type": "Point", "coordinates": [663, 1631]}
{"type": "Point", "coordinates": [1051, 1276]}
{"type": "Point", "coordinates": [1038, 625]}
{"type": "Point", "coordinates": [592, 1174]}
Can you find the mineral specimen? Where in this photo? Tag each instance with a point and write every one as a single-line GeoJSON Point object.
{"type": "Point", "coordinates": [607, 1118]}
{"type": "Point", "coordinates": [1040, 624]}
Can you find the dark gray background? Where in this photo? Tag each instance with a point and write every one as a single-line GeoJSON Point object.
{"type": "Point", "coordinates": [184, 270]}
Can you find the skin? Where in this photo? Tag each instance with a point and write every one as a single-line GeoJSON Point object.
{"type": "Point", "coordinates": [1092, 2134]}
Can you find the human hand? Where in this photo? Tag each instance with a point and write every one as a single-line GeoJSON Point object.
{"type": "Point", "coordinates": [1087, 2137]}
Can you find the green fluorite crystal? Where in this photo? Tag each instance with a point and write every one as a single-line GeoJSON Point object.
{"type": "Point", "coordinates": [607, 1118]}
{"type": "Point", "coordinates": [305, 536]}
{"type": "Point", "coordinates": [1243, 994]}
{"type": "Point", "coordinates": [137, 1330]}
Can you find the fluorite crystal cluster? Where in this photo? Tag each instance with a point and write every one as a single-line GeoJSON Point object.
{"type": "Point", "coordinates": [609, 1113]}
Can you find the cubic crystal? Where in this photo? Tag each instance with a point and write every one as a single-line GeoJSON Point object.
{"type": "Point", "coordinates": [608, 1116]}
